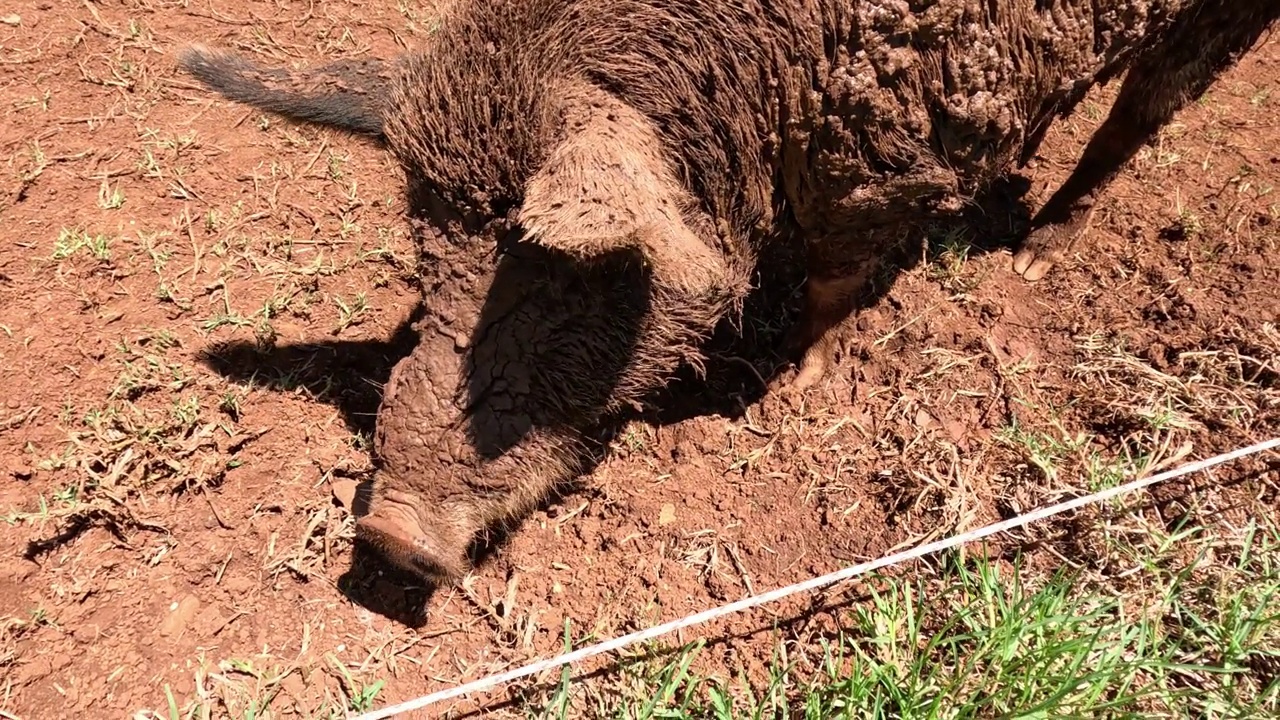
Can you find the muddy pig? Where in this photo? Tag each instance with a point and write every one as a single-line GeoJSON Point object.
{"type": "Point", "coordinates": [592, 182]}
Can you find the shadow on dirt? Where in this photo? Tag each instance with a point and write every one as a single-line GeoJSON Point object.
{"type": "Point", "coordinates": [743, 359]}
{"type": "Point", "coordinates": [347, 374]}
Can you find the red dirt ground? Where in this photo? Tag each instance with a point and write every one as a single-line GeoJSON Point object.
{"type": "Point", "coordinates": [197, 305]}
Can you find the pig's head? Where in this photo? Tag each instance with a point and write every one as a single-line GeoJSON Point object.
{"type": "Point", "coordinates": [605, 279]}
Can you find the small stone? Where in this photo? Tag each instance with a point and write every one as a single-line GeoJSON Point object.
{"type": "Point", "coordinates": [180, 615]}
{"type": "Point", "coordinates": [667, 514]}
{"type": "Point", "coordinates": [344, 491]}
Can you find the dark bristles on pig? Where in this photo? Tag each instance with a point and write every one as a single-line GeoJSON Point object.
{"type": "Point", "coordinates": [629, 161]}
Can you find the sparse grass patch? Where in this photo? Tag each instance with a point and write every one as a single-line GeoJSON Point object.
{"type": "Point", "coordinates": [949, 254]}
{"type": "Point", "coordinates": [229, 403]}
{"type": "Point", "coordinates": [165, 156]}
{"type": "Point", "coordinates": [33, 101]}
{"type": "Point", "coordinates": [311, 553]}
{"type": "Point", "coordinates": [153, 434]}
{"type": "Point", "coordinates": [216, 219]}
{"type": "Point", "coordinates": [252, 688]}
{"type": "Point", "coordinates": [32, 170]}
{"type": "Point", "coordinates": [336, 165]}
{"type": "Point", "coordinates": [72, 241]}
{"type": "Point", "coordinates": [360, 696]}
{"type": "Point", "coordinates": [350, 312]}
{"type": "Point", "coordinates": [110, 198]}
{"type": "Point", "coordinates": [1186, 225]}
{"type": "Point", "coordinates": [147, 371]}
{"type": "Point", "coordinates": [634, 438]}
{"type": "Point", "coordinates": [1230, 384]}
{"type": "Point", "coordinates": [1046, 451]}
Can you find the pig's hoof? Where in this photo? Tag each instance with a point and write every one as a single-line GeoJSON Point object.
{"type": "Point", "coordinates": [405, 545]}
{"type": "Point", "coordinates": [1046, 246]}
{"type": "Point", "coordinates": [813, 367]}
{"type": "Point", "coordinates": [1031, 264]}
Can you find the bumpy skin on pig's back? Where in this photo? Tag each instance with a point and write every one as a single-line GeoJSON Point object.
{"type": "Point", "coordinates": [921, 105]}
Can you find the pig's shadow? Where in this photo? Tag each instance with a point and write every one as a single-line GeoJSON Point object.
{"type": "Point", "coordinates": [348, 375]}
{"type": "Point", "coordinates": [742, 359]}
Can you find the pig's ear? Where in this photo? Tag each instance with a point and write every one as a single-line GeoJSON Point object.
{"type": "Point", "coordinates": [607, 187]}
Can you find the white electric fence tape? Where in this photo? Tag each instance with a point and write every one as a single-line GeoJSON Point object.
{"type": "Point", "coordinates": [778, 594]}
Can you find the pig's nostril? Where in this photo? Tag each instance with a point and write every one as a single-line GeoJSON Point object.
{"type": "Point", "coordinates": [398, 537]}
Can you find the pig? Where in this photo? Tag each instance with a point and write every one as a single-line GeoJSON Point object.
{"type": "Point", "coordinates": [592, 183]}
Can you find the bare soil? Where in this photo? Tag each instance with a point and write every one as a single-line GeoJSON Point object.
{"type": "Point", "coordinates": [198, 306]}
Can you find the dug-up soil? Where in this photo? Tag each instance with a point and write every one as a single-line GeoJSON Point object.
{"type": "Point", "coordinates": [198, 305]}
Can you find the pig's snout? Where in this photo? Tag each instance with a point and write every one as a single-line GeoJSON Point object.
{"type": "Point", "coordinates": [396, 529]}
